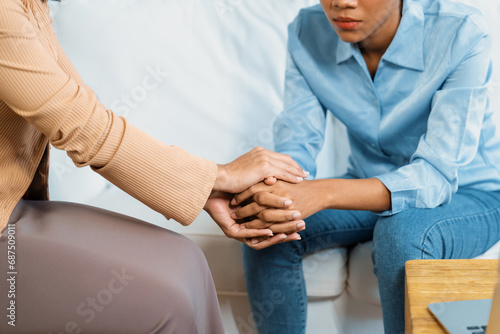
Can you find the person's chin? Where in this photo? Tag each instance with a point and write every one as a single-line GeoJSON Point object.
{"type": "Point", "coordinates": [351, 39]}
{"type": "Point", "coordinates": [349, 36]}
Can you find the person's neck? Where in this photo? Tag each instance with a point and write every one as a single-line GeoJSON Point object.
{"type": "Point", "coordinates": [377, 43]}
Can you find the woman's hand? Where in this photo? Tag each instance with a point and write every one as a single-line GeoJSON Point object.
{"type": "Point", "coordinates": [308, 197]}
{"type": "Point", "coordinates": [255, 166]}
{"type": "Point", "coordinates": [219, 208]}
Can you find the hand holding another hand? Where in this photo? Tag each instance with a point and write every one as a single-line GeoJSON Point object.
{"type": "Point", "coordinates": [272, 206]}
{"type": "Point", "coordinates": [219, 208]}
{"type": "Point", "coordinates": [271, 221]}
{"type": "Point", "coordinates": [264, 203]}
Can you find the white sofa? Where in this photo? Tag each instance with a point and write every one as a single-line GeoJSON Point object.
{"type": "Point", "coordinates": [219, 71]}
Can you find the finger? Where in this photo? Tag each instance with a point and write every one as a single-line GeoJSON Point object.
{"type": "Point", "coordinates": [246, 194]}
{"type": "Point", "coordinates": [295, 174]}
{"type": "Point", "coordinates": [248, 210]}
{"type": "Point", "coordinates": [251, 241]}
{"type": "Point", "coordinates": [270, 180]}
{"type": "Point", "coordinates": [293, 166]}
{"type": "Point", "coordinates": [265, 198]}
{"type": "Point", "coordinates": [277, 239]}
{"type": "Point", "coordinates": [291, 237]}
{"type": "Point", "coordinates": [257, 224]}
{"type": "Point", "coordinates": [288, 227]}
{"type": "Point", "coordinates": [278, 215]}
{"type": "Point", "coordinates": [268, 216]}
{"type": "Point", "coordinates": [260, 244]}
{"type": "Point", "coordinates": [283, 175]}
{"type": "Point", "coordinates": [257, 240]}
{"type": "Point", "coordinates": [241, 232]}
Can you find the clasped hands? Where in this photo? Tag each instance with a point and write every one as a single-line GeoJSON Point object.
{"type": "Point", "coordinates": [261, 198]}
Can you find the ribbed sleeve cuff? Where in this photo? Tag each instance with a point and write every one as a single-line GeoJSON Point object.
{"type": "Point", "coordinates": [166, 178]}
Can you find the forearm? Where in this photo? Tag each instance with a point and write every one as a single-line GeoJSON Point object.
{"type": "Point", "coordinates": [310, 197]}
{"type": "Point", "coordinates": [353, 194]}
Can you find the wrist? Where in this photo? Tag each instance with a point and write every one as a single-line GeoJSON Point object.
{"type": "Point", "coordinates": [326, 194]}
{"type": "Point", "coordinates": [317, 194]}
{"type": "Point", "coordinates": [357, 194]}
{"type": "Point", "coordinates": [206, 207]}
{"type": "Point", "coordinates": [222, 179]}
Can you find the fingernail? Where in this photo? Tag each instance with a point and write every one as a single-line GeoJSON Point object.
{"type": "Point", "coordinates": [283, 237]}
{"type": "Point", "coordinates": [233, 215]}
{"type": "Point", "coordinates": [233, 201]}
{"type": "Point", "coordinates": [301, 225]}
{"type": "Point", "coordinates": [300, 179]}
{"type": "Point", "coordinates": [298, 238]}
{"type": "Point", "coordinates": [255, 242]}
{"type": "Point", "coordinates": [306, 173]}
{"type": "Point", "coordinates": [288, 202]}
{"type": "Point", "coordinates": [296, 215]}
{"type": "Point", "coordinates": [243, 226]}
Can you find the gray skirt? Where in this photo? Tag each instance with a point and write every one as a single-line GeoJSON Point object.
{"type": "Point", "coordinates": [73, 268]}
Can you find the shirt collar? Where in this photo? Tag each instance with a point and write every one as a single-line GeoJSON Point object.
{"type": "Point", "coordinates": [400, 52]}
{"type": "Point", "coordinates": [344, 51]}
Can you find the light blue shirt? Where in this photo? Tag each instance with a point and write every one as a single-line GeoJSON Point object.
{"type": "Point", "coordinates": [423, 126]}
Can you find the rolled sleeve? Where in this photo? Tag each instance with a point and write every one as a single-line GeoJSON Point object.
{"type": "Point", "coordinates": [403, 194]}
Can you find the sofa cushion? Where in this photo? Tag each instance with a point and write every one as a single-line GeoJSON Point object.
{"type": "Point", "coordinates": [362, 282]}
{"type": "Point", "coordinates": [492, 253]}
{"type": "Point", "coordinates": [325, 272]}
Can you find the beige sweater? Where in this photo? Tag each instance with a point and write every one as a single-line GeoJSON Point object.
{"type": "Point", "coordinates": [43, 100]}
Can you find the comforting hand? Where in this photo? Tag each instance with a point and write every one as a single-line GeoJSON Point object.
{"type": "Point", "coordinates": [219, 208]}
{"type": "Point", "coordinates": [255, 166]}
{"type": "Point", "coordinates": [307, 198]}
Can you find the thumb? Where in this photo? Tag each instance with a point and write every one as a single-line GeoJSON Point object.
{"type": "Point", "coordinates": [270, 180]}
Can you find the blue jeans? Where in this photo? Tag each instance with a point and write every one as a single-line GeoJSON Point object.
{"type": "Point", "coordinates": [464, 228]}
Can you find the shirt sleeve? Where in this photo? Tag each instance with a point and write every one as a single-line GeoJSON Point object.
{"type": "Point", "coordinates": [166, 178]}
{"type": "Point", "coordinates": [299, 130]}
{"type": "Point", "coordinates": [453, 129]}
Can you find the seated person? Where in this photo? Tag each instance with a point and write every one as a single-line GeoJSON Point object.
{"type": "Point", "coordinates": [409, 79]}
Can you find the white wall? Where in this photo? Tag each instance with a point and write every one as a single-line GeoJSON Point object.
{"type": "Point", "coordinates": [225, 61]}
{"type": "Point", "coordinates": [222, 70]}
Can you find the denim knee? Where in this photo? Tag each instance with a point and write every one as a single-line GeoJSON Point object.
{"type": "Point", "coordinates": [392, 241]}
{"type": "Point", "coordinates": [391, 234]}
{"type": "Point", "coordinates": [407, 235]}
